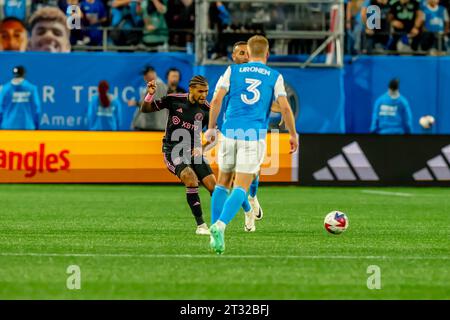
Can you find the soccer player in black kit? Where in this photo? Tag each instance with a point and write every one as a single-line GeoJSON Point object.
{"type": "Point", "coordinates": [182, 149]}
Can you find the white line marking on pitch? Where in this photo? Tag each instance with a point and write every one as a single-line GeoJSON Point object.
{"type": "Point", "coordinates": [387, 193]}
{"type": "Point", "coordinates": [212, 255]}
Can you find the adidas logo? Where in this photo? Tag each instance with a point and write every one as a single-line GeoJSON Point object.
{"type": "Point", "coordinates": [439, 167]}
{"type": "Point", "coordinates": [180, 110]}
{"type": "Point", "coordinates": [351, 165]}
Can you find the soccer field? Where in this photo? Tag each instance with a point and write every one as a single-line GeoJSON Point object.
{"type": "Point", "coordinates": [138, 242]}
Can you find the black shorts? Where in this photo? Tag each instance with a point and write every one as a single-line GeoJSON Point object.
{"type": "Point", "coordinates": [200, 165]}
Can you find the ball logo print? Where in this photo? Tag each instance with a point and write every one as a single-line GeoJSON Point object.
{"type": "Point", "coordinates": [336, 222]}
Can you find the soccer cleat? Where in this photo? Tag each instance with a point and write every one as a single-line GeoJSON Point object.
{"type": "Point", "coordinates": [260, 214]}
{"type": "Point", "coordinates": [202, 230]}
{"type": "Point", "coordinates": [257, 210]}
{"type": "Point", "coordinates": [217, 242]}
{"type": "Point", "coordinates": [249, 225]}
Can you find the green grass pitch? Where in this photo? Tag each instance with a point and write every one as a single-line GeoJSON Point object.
{"type": "Point", "coordinates": [138, 242]}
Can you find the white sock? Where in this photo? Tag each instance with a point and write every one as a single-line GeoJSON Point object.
{"type": "Point", "coordinates": [221, 225]}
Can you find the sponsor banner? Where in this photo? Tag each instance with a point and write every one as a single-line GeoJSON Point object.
{"type": "Point", "coordinates": [111, 157]}
{"type": "Point", "coordinates": [374, 160]}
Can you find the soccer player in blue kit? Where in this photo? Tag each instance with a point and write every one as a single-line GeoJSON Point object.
{"type": "Point", "coordinates": [251, 88]}
{"type": "Point", "coordinates": [251, 206]}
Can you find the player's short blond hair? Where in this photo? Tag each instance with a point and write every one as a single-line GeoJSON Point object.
{"type": "Point", "coordinates": [258, 46]}
{"type": "Point", "coordinates": [49, 14]}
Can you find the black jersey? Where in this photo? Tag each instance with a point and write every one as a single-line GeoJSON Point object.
{"type": "Point", "coordinates": [185, 120]}
{"type": "Point", "coordinates": [405, 13]}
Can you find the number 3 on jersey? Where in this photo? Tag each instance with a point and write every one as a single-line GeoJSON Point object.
{"type": "Point", "coordinates": [252, 88]}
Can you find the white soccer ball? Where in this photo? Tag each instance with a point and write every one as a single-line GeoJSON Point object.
{"type": "Point", "coordinates": [426, 122]}
{"type": "Point", "coordinates": [336, 222]}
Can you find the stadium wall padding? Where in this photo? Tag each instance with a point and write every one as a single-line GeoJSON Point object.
{"type": "Point", "coordinates": [66, 81]}
{"type": "Point", "coordinates": [424, 81]}
{"type": "Point", "coordinates": [325, 100]}
{"type": "Point", "coordinates": [315, 111]}
{"type": "Point", "coordinates": [371, 160]}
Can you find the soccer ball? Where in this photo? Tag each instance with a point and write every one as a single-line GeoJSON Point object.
{"type": "Point", "coordinates": [336, 222]}
{"type": "Point", "coordinates": [426, 122]}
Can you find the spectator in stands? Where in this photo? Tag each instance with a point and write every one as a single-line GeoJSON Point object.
{"type": "Point", "coordinates": [354, 26]}
{"type": "Point", "coordinates": [155, 31]}
{"type": "Point", "coordinates": [436, 26]}
{"type": "Point", "coordinates": [19, 9]}
{"type": "Point", "coordinates": [94, 16]}
{"type": "Point", "coordinates": [173, 77]}
{"type": "Point", "coordinates": [406, 19]}
{"type": "Point", "coordinates": [220, 20]}
{"type": "Point", "coordinates": [20, 106]}
{"type": "Point", "coordinates": [155, 120]}
{"type": "Point", "coordinates": [126, 17]}
{"type": "Point", "coordinates": [181, 15]}
{"type": "Point", "coordinates": [376, 37]}
{"type": "Point", "coordinates": [391, 112]}
{"type": "Point", "coordinates": [13, 35]}
{"type": "Point", "coordinates": [49, 31]}
{"type": "Point", "coordinates": [104, 113]}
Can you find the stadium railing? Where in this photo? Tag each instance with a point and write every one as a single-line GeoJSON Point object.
{"type": "Point", "coordinates": [315, 25]}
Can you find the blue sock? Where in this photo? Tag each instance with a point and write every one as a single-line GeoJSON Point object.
{"type": "Point", "coordinates": [246, 205]}
{"type": "Point", "coordinates": [254, 187]}
{"type": "Point", "coordinates": [233, 204]}
{"type": "Point", "coordinates": [218, 198]}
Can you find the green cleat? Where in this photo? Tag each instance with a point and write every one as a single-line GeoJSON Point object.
{"type": "Point", "coordinates": [217, 242]}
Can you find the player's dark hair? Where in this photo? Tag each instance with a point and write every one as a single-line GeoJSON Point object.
{"type": "Point", "coordinates": [198, 81]}
{"type": "Point", "coordinates": [103, 88]}
{"type": "Point", "coordinates": [394, 84]}
{"type": "Point", "coordinates": [239, 43]}
{"type": "Point", "coordinates": [147, 69]}
{"type": "Point", "coordinates": [173, 70]}
{"type": "Point", "coordinates": [13, 19]}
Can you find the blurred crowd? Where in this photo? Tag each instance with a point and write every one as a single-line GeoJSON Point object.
{"type": "Point", "coordinates": [129, 22]}
{"type": "Point", "coordinates": [162, 25]}
{"type": "Point", "coordinates": [403, 26]}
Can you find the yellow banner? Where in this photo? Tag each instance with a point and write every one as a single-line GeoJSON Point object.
{"type": "Point", "coordinates": [111, 157]}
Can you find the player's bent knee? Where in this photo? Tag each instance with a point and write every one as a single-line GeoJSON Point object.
{"type": "Point", "coordinates": [189, 178]}
{"type": "Point", "coordinates": [209, 182]}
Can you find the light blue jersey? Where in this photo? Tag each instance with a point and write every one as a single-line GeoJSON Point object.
{"type": "Point", "coordinates": [104, 119]}
{"type": "Point", "coordinates": [223, 109]}
{"type": "Point", "coordinates": [251, 89]}
{"type": "Point", "coordinates": [20, 106]}
{"type": "Point", "coordinates": [435, 18]}
{"type": "Point", "coordinates": [391, 115]}
{"type": "Point", "coordinates": [16, 9]}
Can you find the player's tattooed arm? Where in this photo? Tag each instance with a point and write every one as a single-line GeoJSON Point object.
{"type": "Point", "coordinates": [149, 105]}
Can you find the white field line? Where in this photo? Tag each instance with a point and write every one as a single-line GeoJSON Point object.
{"type": "Point", "coordinates": [214, 256]}
{"type": "Point", "coordinates": [387, 193]}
